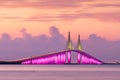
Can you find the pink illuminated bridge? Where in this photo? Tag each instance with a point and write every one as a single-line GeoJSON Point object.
{"type": "Point", "coordinates": [63, 57]}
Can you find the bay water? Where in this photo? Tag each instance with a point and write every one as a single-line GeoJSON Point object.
{"type": "Point", "coordinates": [59, 72]}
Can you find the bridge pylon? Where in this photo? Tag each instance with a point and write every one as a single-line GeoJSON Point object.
{"type": "Point", "coordinates": [69, 43]}
{"type": "Point", "coordinates": [70, 47]}
{"type": "Point", "coordinates": [79, 45]}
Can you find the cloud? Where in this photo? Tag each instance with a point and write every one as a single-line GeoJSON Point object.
{"type": "Point", "coordinates": [59, 4]}
{"type": "Point", "coordinates": [54, 31]}
{"type": "Point", "coordinates": [107, 5]}
{"type": "Point", "coordinates": [51, 17]}
{"type": "Point", "coordinates": [30, 45]}
{"type": "Point", "coordinates": [9, 17]}
{"type": "Point", "coordinates": [107, 17]}
{"type": "Point", "coordinates": [38, 45]}
{"type": "Point", "coordinates": [41, 3]}
{"type": "Point", "coordinates": [44, 17]}
{"type": "Point", "coordinates": [102, 16]}
{"type": "Point", "coordinates": [80, 8]}
{"type": "Point", "coordinates": [101, 48]}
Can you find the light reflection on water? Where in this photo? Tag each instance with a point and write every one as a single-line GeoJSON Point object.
{"type": "Point", "coordinates": [59, 67]}
{"type": "Point", "coordinates": [59, 72]}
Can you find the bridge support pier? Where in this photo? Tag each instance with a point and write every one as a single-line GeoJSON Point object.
{"type": "Point", "coordinates": [83, 59]}
{"type": "Point", "coordinates": [64, 58]}
{"type": "Point", "coordinates": [78, 58]}
{"type": "Point", "coordinates": [69, 56]}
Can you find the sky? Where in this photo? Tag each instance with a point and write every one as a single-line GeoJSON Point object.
{"type": "Point", "coordinates": [24, 23]}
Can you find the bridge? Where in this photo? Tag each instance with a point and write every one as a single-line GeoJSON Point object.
{"type": "Point", "coordinates": [63, 57]}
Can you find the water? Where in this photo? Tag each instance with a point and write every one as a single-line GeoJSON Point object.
{"type": "Point", "coordinates": [59, 72]}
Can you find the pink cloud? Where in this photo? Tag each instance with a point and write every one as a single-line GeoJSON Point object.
{"type": "Point", "coordinates": [42, 3]}
{"type": "Point", "coordinates": [108, 17]}
{"type": "Point", "coordinates": [106, 5]}
{"type": "Point", "coordinates": [42, 18]}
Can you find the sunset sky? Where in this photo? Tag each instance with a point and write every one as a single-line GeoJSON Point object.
{"type": "Point", "coordinates": [84, 17]}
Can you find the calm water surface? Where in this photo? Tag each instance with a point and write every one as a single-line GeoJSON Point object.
{"type": "Point", "coordinates": [59, 72]}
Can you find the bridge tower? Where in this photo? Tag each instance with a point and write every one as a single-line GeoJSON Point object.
{"type": "Point", "coordinates": [70, 47]}
{"type": "Point", "coordinates": [69, 43]}
{"type": "Point", "coordinates": [79, 47]}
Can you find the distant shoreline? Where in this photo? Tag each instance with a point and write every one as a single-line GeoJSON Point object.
{"type": "Point", "coordinates": [10, 62]}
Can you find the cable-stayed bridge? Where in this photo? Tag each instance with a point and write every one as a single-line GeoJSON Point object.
{"type": "Point", "coordinates": [63, 57]}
